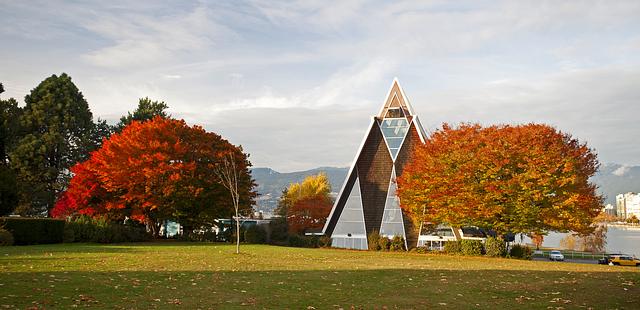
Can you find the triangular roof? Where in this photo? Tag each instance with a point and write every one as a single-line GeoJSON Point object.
{"type": "Point", "coordinates": [396, 99]}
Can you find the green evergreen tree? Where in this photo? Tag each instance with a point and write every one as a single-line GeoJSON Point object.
{"type": "Point", "coordinates": [57, 129]}
{"type": "Point", "coordinates": [9, 133]}
{"type": "Point", "coordinates": [146, 110]}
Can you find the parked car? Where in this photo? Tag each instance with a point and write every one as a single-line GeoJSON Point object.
{"type": "Point", "coordinates": [624, 260]}
{"type": "Point", "coordinates": [556, 256]}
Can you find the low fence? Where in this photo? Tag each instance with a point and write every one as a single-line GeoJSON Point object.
{"type": "Point", "coordinates": [572, 254]}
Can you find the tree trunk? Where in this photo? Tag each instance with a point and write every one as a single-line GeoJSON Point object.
{"type": "Point", "coordinates": [237, 233]}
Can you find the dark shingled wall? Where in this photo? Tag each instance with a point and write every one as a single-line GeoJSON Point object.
{"type": "Point", "coordinates": [374, 169]}
{"type": "Point", "coordinates": [412, 140]}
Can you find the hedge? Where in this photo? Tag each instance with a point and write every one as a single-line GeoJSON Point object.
{"type": "Point", "coordinates": [303, 241]}
{"type": "Point", "coordinates": [30, 230]}
{"type": "Point", "coordinates": [495, 247]}
{"type": "Point", "coordinates": [86, 229]}
{"type": "Point", "coordinates": [520, 251]}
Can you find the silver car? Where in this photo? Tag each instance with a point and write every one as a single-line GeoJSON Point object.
{"type": "Point", "coordinates": [556, 256]}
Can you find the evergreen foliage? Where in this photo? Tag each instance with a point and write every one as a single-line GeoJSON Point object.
{"type": "Point", "coordinates": [57, 126]}
{"type": "Point", "coordinates": [34, 230]}
{"type": "Point", "coordinates": [495, 247]}
{"type": "Point", "coordinates": [471, 247]}
{"type": "Point", "coordinates": [520, 251]}
{"type": "Point", "coordinates": [255, 234]}
{"type": "Point", "coordinates": [6, 238]}
{"type": "Point", "coordinates": [452, 247]}
{"type": "Point", "coordinates": [373, 241]}
{"type": "Point", "coordinates": [8, 191]}
{"type": "Point", "coordinates": [147, 109]}
{"type": "Point", "coordinates": [397, 244]}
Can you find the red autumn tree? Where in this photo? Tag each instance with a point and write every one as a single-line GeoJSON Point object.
{"type": "Point", "coordinates": [307, 204]}
{"type": "Point", "coordinates": [521, 179]}
{"type": "Point", "coordinates": [159, 170]}
{"type": "Point", "coordinates": [308, 213]}
{"type": "Point", "coordinates": [85, 195]}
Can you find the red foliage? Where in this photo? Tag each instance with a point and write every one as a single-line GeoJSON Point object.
{"type": "Point", "coordinates": [308, 214]}
{"type": "Point", "coordinates": [528, 178]}
{"type": "Point", "coordinates": [154, 170]}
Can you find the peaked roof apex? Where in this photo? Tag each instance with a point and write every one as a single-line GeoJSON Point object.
{"type": "Point", "coordinates": [396, 90]}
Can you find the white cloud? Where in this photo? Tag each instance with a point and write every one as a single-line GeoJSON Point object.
{"type": "Point", "coordinates": [228, 64]}
{"type": "Point", "coordinates": [621, 171]}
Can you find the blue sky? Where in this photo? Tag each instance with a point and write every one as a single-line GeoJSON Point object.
{"type": "Point", "coordinates": [296, 82]}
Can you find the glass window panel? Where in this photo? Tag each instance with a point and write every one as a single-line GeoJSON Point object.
{"type": "Point", "coordinates": [392, 216]}
{"type": "Point", "coordinates": [393, 188]}
{"type": "Point", "coordinates": [392, 229]}
{"type": "Point", "coordinates": [394, 142]}
{"type": "Point", "coordinates": [394, 127]}
{"type": "Point", "coordinates": [394, 113]}
{"type": "Point", "coordinates": [351, 220]}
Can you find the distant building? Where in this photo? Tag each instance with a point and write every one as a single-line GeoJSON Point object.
{"type": "Point", "coordinates": [609, 209]}
{"type": "Point", "coordinates": [627, 205]}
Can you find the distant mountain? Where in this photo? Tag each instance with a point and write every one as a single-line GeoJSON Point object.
{"type": "Point", "coordinates": [271, 183]}
{"type": "Point", "coordinates": [613, 179]}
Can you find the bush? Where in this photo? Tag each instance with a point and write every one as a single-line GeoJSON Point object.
{"type": "Point", "coordinates": [452, 247]}
{"type": "Point", "coordinates": [279, 231]}
{"type": "Point", "coordinates": [324, 242]}
{"type": "Point", "coordinates": [471, 247]}
{"type": "Point", "coordinates": [87, 229]}
{"type": "Point", "coordinates": [6, 238]}
{"type": "Point", "coordinates": [26, 230]}
{"type": "Point", "coordinates": [495, 247]}
{"type": "Point", "coordinates": [255, 234]}
{"type": "Point", "coordinates": [520, 251]}
{"type": "Point", "coordinates": [303, 241]}
{"type": "Point", "coordinates": [69, 234]}
{"type": "Point", "coordinates": [420, 250]}
{"type": "Point", "coordinates": [397, 244]}
{"type": "Point", "coordinates": [384, 243]}
{"type": "Point", "coordinates": [198, 236]}
{"type": "Point", "coordinates": [373, 241]}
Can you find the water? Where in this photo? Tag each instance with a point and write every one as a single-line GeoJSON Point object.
{"type": "Point", "coordinates": [620, 239]}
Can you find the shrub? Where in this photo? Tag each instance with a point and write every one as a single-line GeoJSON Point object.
{"type": "Point", "coordinates": [397, 244]}
{"type": "Point", "coordinates": [69, 234]}
{"type": "Point", "coordinates": [520, 251]}
{"type": "Point", "coordinates": [6, 238]}
{"type": "Point", "coordinates": [303, 241]}
{"type": "Point", "coordinates": [495, 247]}
{"type": "Point", "coordinates": [373, 241]}
{"type": "Point", "coordinates": [26, 230]}
{"type": "Point", "coordinates": [421, 250]}
{"type": "Point", "coordinates": [471, 247]}
{"type": "Point", "coordinates": [452, 247]}
{"type": "Point", "coordinates": [198, 236]}
{"type": "Point", "coordinates": [255, 234]}
{"type": "Point", "coordinates": [384, 243]}
{"type": "Point", "coordinates": [87, 229]}
{"type": "Point", "coordinates": [279, 231]}
{"type": "Point", "coordinates": [324, 241]}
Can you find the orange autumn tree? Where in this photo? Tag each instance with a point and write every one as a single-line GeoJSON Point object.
{"type": "Point", "coordinates": [520, 179]}
{"type": "Point", "coordinates": [309, 203]}
{"type": "Point", "coordinates": [159, 170]}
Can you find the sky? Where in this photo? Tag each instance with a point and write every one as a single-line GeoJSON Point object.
{"type": "Point", "coordinates": [296, 83]}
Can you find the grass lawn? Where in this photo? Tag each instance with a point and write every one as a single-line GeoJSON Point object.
{"type": "Point", "coordinates": [191, 276]}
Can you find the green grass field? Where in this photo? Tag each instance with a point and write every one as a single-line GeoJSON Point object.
{"type": "Point", "coordinates": [210, 276]}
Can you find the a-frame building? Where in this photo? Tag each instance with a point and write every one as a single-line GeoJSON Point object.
{"type": "Point", "coordinates": [367, 202]}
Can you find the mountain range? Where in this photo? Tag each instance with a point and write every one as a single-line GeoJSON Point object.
{"type": "Point", "coordinates": [612, 179]}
